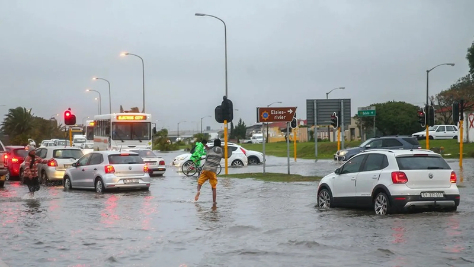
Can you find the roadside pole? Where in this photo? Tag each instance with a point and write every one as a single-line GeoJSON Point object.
{"type": "Point", "coordinates": [338, 138]}
{"type": "Point", "coordinates": [294, 141]}
{"type": "Point", "coordinates": [225, 148]}
{"type": "Point", "coordinates": [342, 124]}
{"type": "Point", "coordinates": [315, 131]}
{"type": "Point", "coordinates": [288, 145]}
{"type": "Point", "coordinates": [263, 127]}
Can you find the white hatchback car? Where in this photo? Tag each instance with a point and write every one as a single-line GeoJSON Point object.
{"type": "Point", "coordinates": [102, 170]}
{"type": "Point", "coordinates": [60, 158]}
{"type": "Point", "coordinates": [391, 181]}
{"type": "Point", "coordinates": [237, 159]}
{"type": "Point", "coordinates": [156, 164]}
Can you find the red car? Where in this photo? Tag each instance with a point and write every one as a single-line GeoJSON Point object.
{"type": "Point", "coordinates": [14, 156]}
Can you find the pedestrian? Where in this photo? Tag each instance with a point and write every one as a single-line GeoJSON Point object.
{"type": "Point", "coordinates": [198, 151]}
{"type": "Point", "coordinates": [31, 170]}
{"type": "Point", "coordinates": [209, 169]}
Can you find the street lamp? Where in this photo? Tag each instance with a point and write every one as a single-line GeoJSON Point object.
{"type": "Point", "coordinates": [201, 121]}
{"type": "Point", "coordinates": [279, 102]}
{"type": "Point", "coordinates": [327, 96]}
{"type": "Point", "coordinates": [143, 74]}
{"type": "Point", "coordinates": [98, 105]}
{"type": "Point", "coordinates": [110, 97]}
{"type": "Point", "coordinates": [178, 129]}
{"type": "Point", "coordinates": [100, 99]}
{"type": "Point", "coordinates": [427, 104]}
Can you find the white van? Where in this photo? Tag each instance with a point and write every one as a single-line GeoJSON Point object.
{"type": "Point", "coordinates": [78, 140]}
{"type": "Point", "coordinates": [257, 138]}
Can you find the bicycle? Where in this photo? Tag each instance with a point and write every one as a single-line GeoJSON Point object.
{"type": "Point", "coordinates": [189, 168]}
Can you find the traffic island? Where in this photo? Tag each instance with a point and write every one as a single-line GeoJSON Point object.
{"type": "Point", "coordinates": [274, 177]}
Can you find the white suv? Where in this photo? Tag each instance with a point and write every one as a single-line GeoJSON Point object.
{"type": "Point", "coordinates": [439, 132]}
{"type": "Point", "coordinates": [391, 181]}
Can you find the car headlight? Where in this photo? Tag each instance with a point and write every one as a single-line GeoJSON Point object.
{"type": "Point", "coordinates": [343, 152]}
{"type": "Point", "coordinates": [180, 158]}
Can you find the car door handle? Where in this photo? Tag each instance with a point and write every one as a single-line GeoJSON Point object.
{"type": "Point", "coordinates": [375, 177]}
{"type": "Point", "coordinates": [353, 178]}
{"type": "Point", "coordinates": [83, 170]}
{"type": "Point", "coordinates": [95, 169]}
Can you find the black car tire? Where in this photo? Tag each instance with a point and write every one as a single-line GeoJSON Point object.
{"type": "Point", "coordinates": [99, 186]}
{"type": "Point", "coordinates": [67, 183]}
{"type": "Point", "coordinates": [325, 199]}
{"type": "Point", "coordinates": [253, 160]}
{"type": "Point", "coordinates": [382, 204]}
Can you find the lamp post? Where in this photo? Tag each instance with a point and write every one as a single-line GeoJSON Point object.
{"type": "Point", "coordinates": [427, 104]}
{"type": "Point", "coordinates": [226, 88]}
{"type": "Point", "coordinates": [110, 97]}
{"type": "Point", "coordinates": [178, 129]}
{"type": "Point", "coordinates": [100, 99]}
{"type": "Point", "coordinates": [98, 105]}
{"type": "Point", "coordinates": [143, 74]}
{"type": "Point", "coordinates": [201, 121]}
{"type": "Point", "coordinates": [327, 96]}
{"type": "Point", "coordinates": [279, 102]}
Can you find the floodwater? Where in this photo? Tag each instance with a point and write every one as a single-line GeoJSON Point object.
{"type": "Point", "coordinates": [253, 224]}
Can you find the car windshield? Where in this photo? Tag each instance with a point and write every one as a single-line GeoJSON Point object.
{"type": "Point", "coordinates": [125, 159]}
{"type": "Point", "coordinates": [67, 153]}
{"type": "Point", "coordinates": [145, 153]}
{"type": "Point", "coordinates": [432, 128]}
{"type": "Point", "coordinates": [366, 142]}
{"type": "Point", "coordinates": [20, 152]}
{"type": "Point", "coordinates": [131, 131]}
{"type": "Point", "coordinates": [422, 162]}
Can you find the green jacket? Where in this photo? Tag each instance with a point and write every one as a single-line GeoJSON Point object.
{"type": "Point", "coordinates": [199, 151]}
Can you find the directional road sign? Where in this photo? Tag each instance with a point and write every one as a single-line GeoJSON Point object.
{"type": "Point", "coordinates": [275, 114]}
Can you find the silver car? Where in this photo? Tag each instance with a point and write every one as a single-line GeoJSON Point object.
{"type": "Point", "coordinates": [103, 170]}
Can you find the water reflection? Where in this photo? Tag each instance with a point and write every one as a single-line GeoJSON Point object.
{"type": "Point", "coordinates": [205, 214]}
{"type": "Point", "coordinates": [398, 232]}
{"type": "Point", "coordinates": [108, 214]}
{"type": "Point", "coordinates": [148, 209]}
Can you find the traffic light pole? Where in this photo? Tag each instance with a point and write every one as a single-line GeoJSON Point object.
{"type": "Point", "coordinates": [225, 148]}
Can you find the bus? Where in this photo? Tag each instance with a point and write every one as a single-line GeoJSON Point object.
{"type": "Point", "coordinates": [89, 130]}
{"type": "Point", "coordinates": [122, 130]}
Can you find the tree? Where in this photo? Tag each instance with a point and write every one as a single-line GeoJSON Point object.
{"type": "Point", "coordinates": [462, 89]}
{"type": "Point", "coordinates": [161, 141]}
{"type": "Point", "coordinates": [18, 124]}
{"type": "Point", "coordinates": [240, 130]}
{"type": "Point", "coordinates": [470, 59]}
{"type": "Point", "coordinates": [393, 118]}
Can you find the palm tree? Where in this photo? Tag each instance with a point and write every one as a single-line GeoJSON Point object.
{"type": "Point", "coordinates": [17, 124]}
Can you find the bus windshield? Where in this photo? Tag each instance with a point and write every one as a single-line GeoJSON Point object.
{"type": "Point", "coordinates": [90, 132]}
{"type": "Point", "coordinates": [131, 130]}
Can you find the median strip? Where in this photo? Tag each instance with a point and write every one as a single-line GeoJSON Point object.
{"type": "Point", "coordinates": [274, 177]}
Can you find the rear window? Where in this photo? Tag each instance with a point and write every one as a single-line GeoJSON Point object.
{"type": "Point", "coordinates": [67, 153]}
{"type": "Point", "coordinates": [20, 153]}
{"type": "Point", "coordinates": [125, 159]}
{"type": "Point", "coordinates": [412, 141]}
{"type": "Point", "coordinates": [422, 163]}
{"type": "Point", "coordinates": [144, 153]}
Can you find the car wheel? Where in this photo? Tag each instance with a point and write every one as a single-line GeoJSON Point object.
{"type": "Point", "coordinates": [253, 160]}
{"type": "Point", "coordinates": [237, 163]}
{"type": "Point", "coordinates": [324, 199]}
{"type": "Point", "coordinates": [67, 183]}
{"type": "Point", "coordinates": [455, 137]}
{"type": "Point", "coordinates": [99, 186]}
{"type": "Point", "coordinates": [7, 175]}
{"type": "Point", "coordinates": [382, 204]}
{"type": "Point", "coordinates": [431, 137]}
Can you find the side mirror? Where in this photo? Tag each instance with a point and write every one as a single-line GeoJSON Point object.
{"type": "Point", "coordinates": [337, 171]}
{"type": "Point", "coordinates": [74, 164]}
{"type": "Point", "coordinates": [367, 146]}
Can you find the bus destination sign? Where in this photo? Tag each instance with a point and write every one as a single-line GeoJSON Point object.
{"type": "Point", "coordinates": [131, 117]}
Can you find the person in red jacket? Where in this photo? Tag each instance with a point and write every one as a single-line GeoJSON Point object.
{"type": "Point", "coordinates": [31, 170]}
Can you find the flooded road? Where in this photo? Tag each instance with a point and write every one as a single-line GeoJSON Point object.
{"type": "Point", "coordinates": [254, 224]}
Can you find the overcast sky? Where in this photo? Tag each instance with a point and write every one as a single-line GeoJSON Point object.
{"type": "Point", "coordinates": [278, 50]}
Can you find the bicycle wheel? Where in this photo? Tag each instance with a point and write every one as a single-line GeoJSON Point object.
{"type": "Point", "coordinates": [189, 168]}
{"type": "Point", "coordinates": [219, 169]}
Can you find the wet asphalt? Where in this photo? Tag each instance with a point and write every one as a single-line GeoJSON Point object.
{"type": "Point", "coordinates": [254, 223]}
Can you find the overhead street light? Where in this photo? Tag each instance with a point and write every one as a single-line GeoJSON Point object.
{"type": "Point", "coordinates": [427, 104]}
{"type": "Point", "coordinates": [100, 99]}
{"type": "Point", "coordinates": [201, 121]}
{"type": "Point", "coordinates": [110, 97]}
{"type": "Point", "coordinates": [143, 74]}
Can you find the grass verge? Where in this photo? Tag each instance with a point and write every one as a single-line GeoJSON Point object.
{"type": "Point", "coordinates": [275, 177]}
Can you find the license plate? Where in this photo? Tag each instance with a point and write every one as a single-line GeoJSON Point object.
{"type": "Point", "coordinates": [130, 181]}
{"type": "Point", "coordinates": [432, 194]}
{"type": "Point", "coordinates": [151, 163]}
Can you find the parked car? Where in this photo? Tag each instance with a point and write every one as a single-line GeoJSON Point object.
{"type": "Point", "coordinates": [60, 158]}
{"type": "Point", "coordinates": [87, 147]}
{"type": "Point", "coordinates": [391, 181]}
{"type": "Point", "coordinates": [257, 138]}
{"type": "Point", "coordinates": [3, 169]}
{"type": "Point", "coordinates": [253, 157]}
{"type": "Point", "coordinates": [237, 159]}
{"type": "Point", "coordinates": [439, 132]}
{"type": "Point", "coordinates": [156, 164]}
{"type": "Point", "coordinates": [104, 170]}
{"type": "Point", "coordinates": [14, 156]}
{"type": "Point", "coordinates": [389, 142]}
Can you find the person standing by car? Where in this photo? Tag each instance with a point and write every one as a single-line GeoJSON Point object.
{"type": "Point", "coordinates": [213, 160]}
{"type": "Point", "coordinates": [31, 170]}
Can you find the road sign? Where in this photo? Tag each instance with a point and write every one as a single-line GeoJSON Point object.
{"type": "Point", "coordinates": [275, 114]}
{"type": "Point", "coordinates": [324, 109]}
{"type": "Point", "coordinates": [366, 111]}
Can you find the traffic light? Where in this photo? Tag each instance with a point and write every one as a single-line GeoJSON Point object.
{"type": "Point", "coordinates": [227, 109]}
{"type": "Point", "coordinates": [69, 118]}
{"type": "Point", "coordinates": [293, 123]}
{"type": "Point", "coordinates": [455, 112]}
{"type": "Point", "coordinates": [422, 117]}
{"type": "Point", "coordinates": [335, 119]}
{"type": "Point", "coordinates": [431, 116]}
{"type": "Point", "coordinates": [218, 114]}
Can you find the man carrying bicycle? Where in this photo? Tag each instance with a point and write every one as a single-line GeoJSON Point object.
{"type": "Point", "coordinates": [198, 152]}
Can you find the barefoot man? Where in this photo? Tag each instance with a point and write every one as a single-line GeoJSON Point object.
{"type": "Point", "coordinates": [213, 159]}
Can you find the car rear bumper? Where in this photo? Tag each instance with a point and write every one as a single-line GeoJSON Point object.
{"type": "Point", "coordinates": [54, 175]}
{"type": "Point", "coordinates": [118, 182]}
{"type": "Point", "coordinates": [157, 170]}
{"type": "Point", "coordinates": [416, 201]}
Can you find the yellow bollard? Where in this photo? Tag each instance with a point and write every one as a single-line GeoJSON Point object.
{"type": "Point", "coordinates": [338, 138]}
